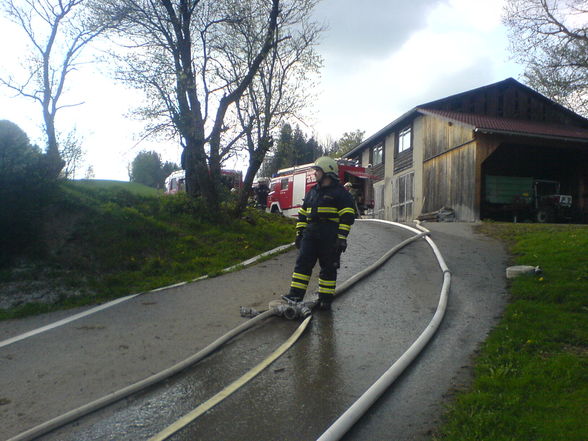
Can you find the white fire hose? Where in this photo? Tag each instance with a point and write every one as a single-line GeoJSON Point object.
{"type": "Point", "coordinates": [346, 421]}
{"type": "Point", "coordinates": [342, 425]}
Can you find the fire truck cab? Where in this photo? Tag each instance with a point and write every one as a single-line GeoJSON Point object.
{"type": "Point", "coordinates": [289, 186]}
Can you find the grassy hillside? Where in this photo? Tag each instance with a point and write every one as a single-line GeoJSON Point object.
{"type": "Point", "coordinates": [104, 239]}
{"type": "Point", "coordinates": [102, 184]}
{"type": "Point", "coordinates": [531, 376]}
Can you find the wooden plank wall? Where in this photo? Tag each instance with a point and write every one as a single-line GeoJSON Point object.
{"type": "Point", "coordinates": [450, 181]}
{"type": "Point", "coordinates": [439, 135]}
{"type": "Point", "coordinates": [509, 101]}
{"type": "Point", "coordinates": [403, 161]}
{"type": "Point", "coordinates": [449, 167]}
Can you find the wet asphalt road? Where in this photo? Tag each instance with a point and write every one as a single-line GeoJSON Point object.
{"type": "Point", "coordinates": [340, 355]}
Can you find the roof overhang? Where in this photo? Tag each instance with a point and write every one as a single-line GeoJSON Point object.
{"type": "Point", "coordinates": [528, 135]}
{"type": "Point", "coordinates": [360, 174]}
{"type": "Point", "coordinates": [380, 134]}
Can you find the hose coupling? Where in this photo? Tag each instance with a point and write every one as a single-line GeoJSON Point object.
{"type": "Point", "coordinates": [293, 311]}
{"type": "Point", "coordinates": [248, 312]}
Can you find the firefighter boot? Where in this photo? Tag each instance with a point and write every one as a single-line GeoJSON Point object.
{"type": "Point", "coordinates": [324, 301]}
{"type": "Point", "coordinates": [293, 298]}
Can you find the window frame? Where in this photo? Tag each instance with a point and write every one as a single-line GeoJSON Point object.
{"type": "Point", "coordinates": [380, 156]}
{"type": "Point", "coordinates": [403, 197]}
{"type": "Point", "coordinates": [402, 134]}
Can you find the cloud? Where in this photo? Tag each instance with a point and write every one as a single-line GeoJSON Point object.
{"type": "Point", "coordinates": [366, 29]}
{"type": "Point", "coordinates": [449, 54]}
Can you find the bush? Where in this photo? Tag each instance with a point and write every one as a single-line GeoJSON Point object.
{"type": "Point", "coordinates": [25, 191]}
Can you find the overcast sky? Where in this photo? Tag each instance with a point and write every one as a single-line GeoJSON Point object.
{"type": "Point", "coordinates": [381, 58]}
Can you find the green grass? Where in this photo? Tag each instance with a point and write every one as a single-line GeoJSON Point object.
{"type": "Point", "coordinates": [108, 239]}
{"type": "Point", "coordinates": [131, 187]}
{"type": "Point", "coordinates": [531, 375]}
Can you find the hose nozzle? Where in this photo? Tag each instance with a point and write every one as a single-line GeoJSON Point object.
{"type": "Point", "coordinates": [248, 312]}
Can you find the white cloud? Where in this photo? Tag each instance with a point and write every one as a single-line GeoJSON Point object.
{"type": "Point", "coordinates": [463, 46]}
{"type": "Point", "coordinates": [471, 15]}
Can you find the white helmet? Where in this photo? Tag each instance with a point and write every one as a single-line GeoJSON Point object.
{"type": "Point", "coordinates": [329, 167]}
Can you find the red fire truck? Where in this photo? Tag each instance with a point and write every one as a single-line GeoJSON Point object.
{"type": "Point", "coordinates": [289, 185]}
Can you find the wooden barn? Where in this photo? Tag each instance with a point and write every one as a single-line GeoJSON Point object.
{"type": "Point", "coordinates": [501, 151]}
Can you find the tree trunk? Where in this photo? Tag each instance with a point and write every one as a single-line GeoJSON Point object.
{"type": "Point", "coordinates": [255, 161]}
{"type": "Point", "coordinates": [54, 162]}
{"type": "Point", "coordinates": [199, 181]}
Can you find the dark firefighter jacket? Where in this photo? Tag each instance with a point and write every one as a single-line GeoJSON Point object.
{"type": "Point", "coordinates": [331, 204]}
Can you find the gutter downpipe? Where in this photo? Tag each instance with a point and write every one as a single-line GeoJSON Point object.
{"type": "Point", "coordinates": [342, 425]}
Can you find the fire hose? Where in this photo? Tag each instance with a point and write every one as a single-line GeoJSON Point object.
{"type": "Point", "coordinates": [288, 311]}
{"type": "Point", "coordinates": [342, 425]}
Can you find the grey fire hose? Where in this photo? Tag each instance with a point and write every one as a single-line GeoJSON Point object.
{"type": "Point", "coordinates": [342, 425]}
{"type": "Point", "coordinates": [289, 311]}
{"type": "Point", "coordinates": [113, 397]}
{"type": "Point", "coordinates": [304, 309]}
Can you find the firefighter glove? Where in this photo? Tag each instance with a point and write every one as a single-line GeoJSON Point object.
{"type": "Point", "coordinates": [341, 245]}
{"type": "Point", "coordinates": [298, 241]}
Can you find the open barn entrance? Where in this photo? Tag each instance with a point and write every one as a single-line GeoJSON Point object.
{"type": "Point", "coordinates": [543, 183]}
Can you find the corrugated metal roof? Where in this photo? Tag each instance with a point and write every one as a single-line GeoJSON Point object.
{"type": "Point", "coordinates": [492, 124]}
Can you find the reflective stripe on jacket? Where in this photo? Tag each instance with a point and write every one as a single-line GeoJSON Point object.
{"type": "Point", "coordinates": [327, 204]}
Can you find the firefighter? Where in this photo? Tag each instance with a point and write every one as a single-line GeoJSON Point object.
{"type": "Point", "coordinates": [324, 221]}
{"type": "Point", "coordinates": [354, 194]}
{"type": "Point", "coordinates": [261, 192]}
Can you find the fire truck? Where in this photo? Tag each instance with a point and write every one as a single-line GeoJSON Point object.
{"type": "Point", "coordinates": [176, 182]}
{"type": "Point", "coordinates": [289, 186]}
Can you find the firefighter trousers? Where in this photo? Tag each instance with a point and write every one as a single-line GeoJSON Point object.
{"type": "Point", "coordinates": [319, 242]}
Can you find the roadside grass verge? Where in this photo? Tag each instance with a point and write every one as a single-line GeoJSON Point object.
{"type": "Point", "coordinates": [531, 374]}
{"type": "Point", "coordinates": [104, 184]}
{"type": "Point", "coordinates": [109, 239]}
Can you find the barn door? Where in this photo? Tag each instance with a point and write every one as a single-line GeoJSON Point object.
{"type": "Point", "coordinates": [379, 200]}
{"type": "Point", "coordinates": [403, 197]}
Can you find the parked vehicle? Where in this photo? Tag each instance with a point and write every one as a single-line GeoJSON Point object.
{"type": "Point", "coordinates": [526, 198]}
{"type": "Point", "coordinates": [289, 185]}
{"type": "Point", "coordinates": [176, 182]}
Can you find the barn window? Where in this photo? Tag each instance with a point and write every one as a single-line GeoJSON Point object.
{"type": "Point", "coordinates": [378, 154]}
{"type": "Point", "coordinates": [404, 139]}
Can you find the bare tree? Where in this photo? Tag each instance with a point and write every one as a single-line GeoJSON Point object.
{"type": "Point", "coordinates": [550, 38]}
{"type": "Point", "coordinates": [71, 151]}
{"type": "Point", "coordinates": [176, 52]}
{"type": "Point", "coordinates": [57, 32]}
{"type": "Point", "coordinates": [89, 173]}
{"type": "Point", "coordinates": [282, 88]}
